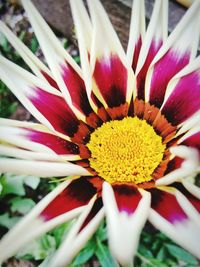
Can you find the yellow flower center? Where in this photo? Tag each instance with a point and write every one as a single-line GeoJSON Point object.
{"type": "Point", "coordinates": [125, 151]}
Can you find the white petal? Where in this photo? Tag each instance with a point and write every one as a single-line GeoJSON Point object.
{"type": "Point", "coordinates": [75, 239]}
{"type": "Point", "coordinates": [123, 229]}
{"type": "Point", "coordinates": [32, 225]}
{"type": "Point", "coordinates": [32, 61]}
{"type": "Point", "coordinates": [188, 167]}
{"type": "Point", "coordinates": [41, 168]}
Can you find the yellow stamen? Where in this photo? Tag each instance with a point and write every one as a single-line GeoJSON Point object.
{"type": "Point", "coordinates": [125, 151]}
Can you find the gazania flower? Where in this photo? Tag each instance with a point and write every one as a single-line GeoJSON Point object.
{"type": "Point", "coordinates": [123, 128]}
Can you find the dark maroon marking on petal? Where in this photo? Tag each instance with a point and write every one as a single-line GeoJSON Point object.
{"type": "Point", "coordinates": [193, 141]}
{"type": "Point", "coordinates": [111, 78]}
{"type": "Point", "coordinates": [127, 198]}
{"type": "Point", "coordinates": [167, 206]}
{"type": "Point", "coordinates": [56, 111]}
{"type": "Point", "coordinates": [77, 194]}
{"type": "Point", "coordinates": [95, 209]}
{"type": "Point", "coordinates": [184, 100]}
{"type": "Point", "coordinates": [76, 88]}
{"type": "Point", "coordinates": [194, 201]}
{"type": "Point", "coordinates": [50, 80]}
{"type": "Point", "coordinates": [57, 144]}
{"type": "Point", "coordinates": [174, 164]}
{"type": "Point", "coordinates": [136, 53]}
{"type": "Point", "coordinates": [170, 64]}
{"type": "Point", "coordinates": [141, 77]}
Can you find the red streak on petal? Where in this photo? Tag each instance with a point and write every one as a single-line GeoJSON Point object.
{"type": "Point", "coordinates": [76, 88]}
{"type": "Point", "coordinates": [127, 198]}
{"type": "Point", "coordinates": [174, 164]}
{"type": "Point", "coordinates": [194, 201]}
{"type": "Point", "coordinates": [170, 64]}
{"type": "Point", "coordinates": [57, 144]}
{"type": "Point", "coordinates": [193, 141]}
{"type": "Point", "coordinates": [184, 100]}
{"type": "Point", "coordinates": [153, 49]}
{"type": "Point", "coordinates": [167, 206]}
{"type": "Point", "coordinates": [56, 111]}
{"type": "Point", "coordinates": [111, 78]}
{"type": "Point", "coordinates": [77, 194]}
{"type": "Point", "coordinates": [50, 80]}
{"type": "Point", "coordinates": [136, 53]}
{"type": "Point", "coordinates": [95, 209]}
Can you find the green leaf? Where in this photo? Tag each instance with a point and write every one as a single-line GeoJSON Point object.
{"type": "Point", "coordinates": [161, 254]}
{"type": "Point", "coordinates": [102, 232]}
{"type": "Point", "coordinates": [7, 221]}
{"type": "Point", "coordinates": [34, 45]}
{"type": "Point", "coordinates": [85, 254]}
{"type": "Point", "coordinates": [39, 249]}
{"type": "Point", "coordinates": [21, 205]}
{"type": "Point", "coordinates": [13, 184]}
{"type": "Point", "coordinates": [60, 232]}
{"type": "Point", "coordinates": [180, 254]}
{"type": "Point", "coordinates": [1, 188]}
{"type": "Point", "coordinates": [32, 181]}
{"type": "Point", "coordinates": [103, 254]}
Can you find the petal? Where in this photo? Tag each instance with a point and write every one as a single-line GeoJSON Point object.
{"type": "Point", "coordinates": [37, 138]}
{"type": "Point", "coordinates": [41, 168]}
{"type": "Point", "coordinates": [62, 204]}
{"type": "Point", "coordinates": [38, 68]}
{"type": "Point", "coordinates": [195, 201]}
{"type": "Point", "coordinates": [84, 35]}
{"type": "Point", "coordinates": [113, 79]}
{"type": "Point", "coordinates": [173, 55]}
{"type": "Point", "coordinates": [79, 235]}
{"type": "Point", "coordinates": [191, 138]}
{"type": "Point", "coordinates": [180, 102]}
{"type": "Point", "coordinates": [137, 32]}
{"type": "Point", "coordinates": [78, 193]}
{"type": "Point", "coordinates": [192, 188]}
{"type": "Point", "coordinates": [64, 69]}
{"type": "Point", "coordinates": [126, 213]}
{"type": "Point", "coordinates": [189, 123]}
{"type": "Point", "coordinates": [188, 167]}
{"type": "Point", "coordinates": [155, 36]}
{"type": "Point", "coordinates": [39, 98]}
{"type": "Point", "coordinates": [169, 217]}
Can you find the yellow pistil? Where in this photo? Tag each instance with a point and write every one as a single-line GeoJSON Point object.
{"type": "Point", "coordinates": [125, 151]}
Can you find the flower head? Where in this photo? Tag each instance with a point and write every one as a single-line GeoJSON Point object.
{"type": "Point", "coordinates": [122, 127]}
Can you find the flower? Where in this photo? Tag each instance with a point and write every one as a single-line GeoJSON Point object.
{"type": "Point", "coordinates": [123, 128]}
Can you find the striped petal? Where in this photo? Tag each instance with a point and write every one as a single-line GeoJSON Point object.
{"type": "Point", "coordinates": [189, 165]}
{"type": "Point", "coordinates": [39, 98]}
{"type": "Point", "coordinates": [182, 94]}
{"type": "Point", "coordinates": [178, 50]}
{"type": "Point", "coordinates": [137, 32]}
{"type": "Point", "coordinates": [126, 213]}
{"type": "Point", "coordinates": [36, 138]}
{"type": "Point", "coordinates": [80, 233]}
{"type": "Point", "coordinates": [62, 204]}
{"type": "Point", "coordinates": [84, 35]}
{"type": "Point", "coordinates": [179, 224]}
{"type": "Point", "coordinates": [38, 68]}
{"type": "Point", "coordinates": [192, 188]}
{"type": "Point", "coordinates": [64, 69]}
{"type": "Point", "coordinates": [191, 138]}
{"type": "Point", "coordinates": [113, 79]}
{"type": "Point", "coordinates": [195, 201]}
{"type": "Point", "coordinates": [155, 36]}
